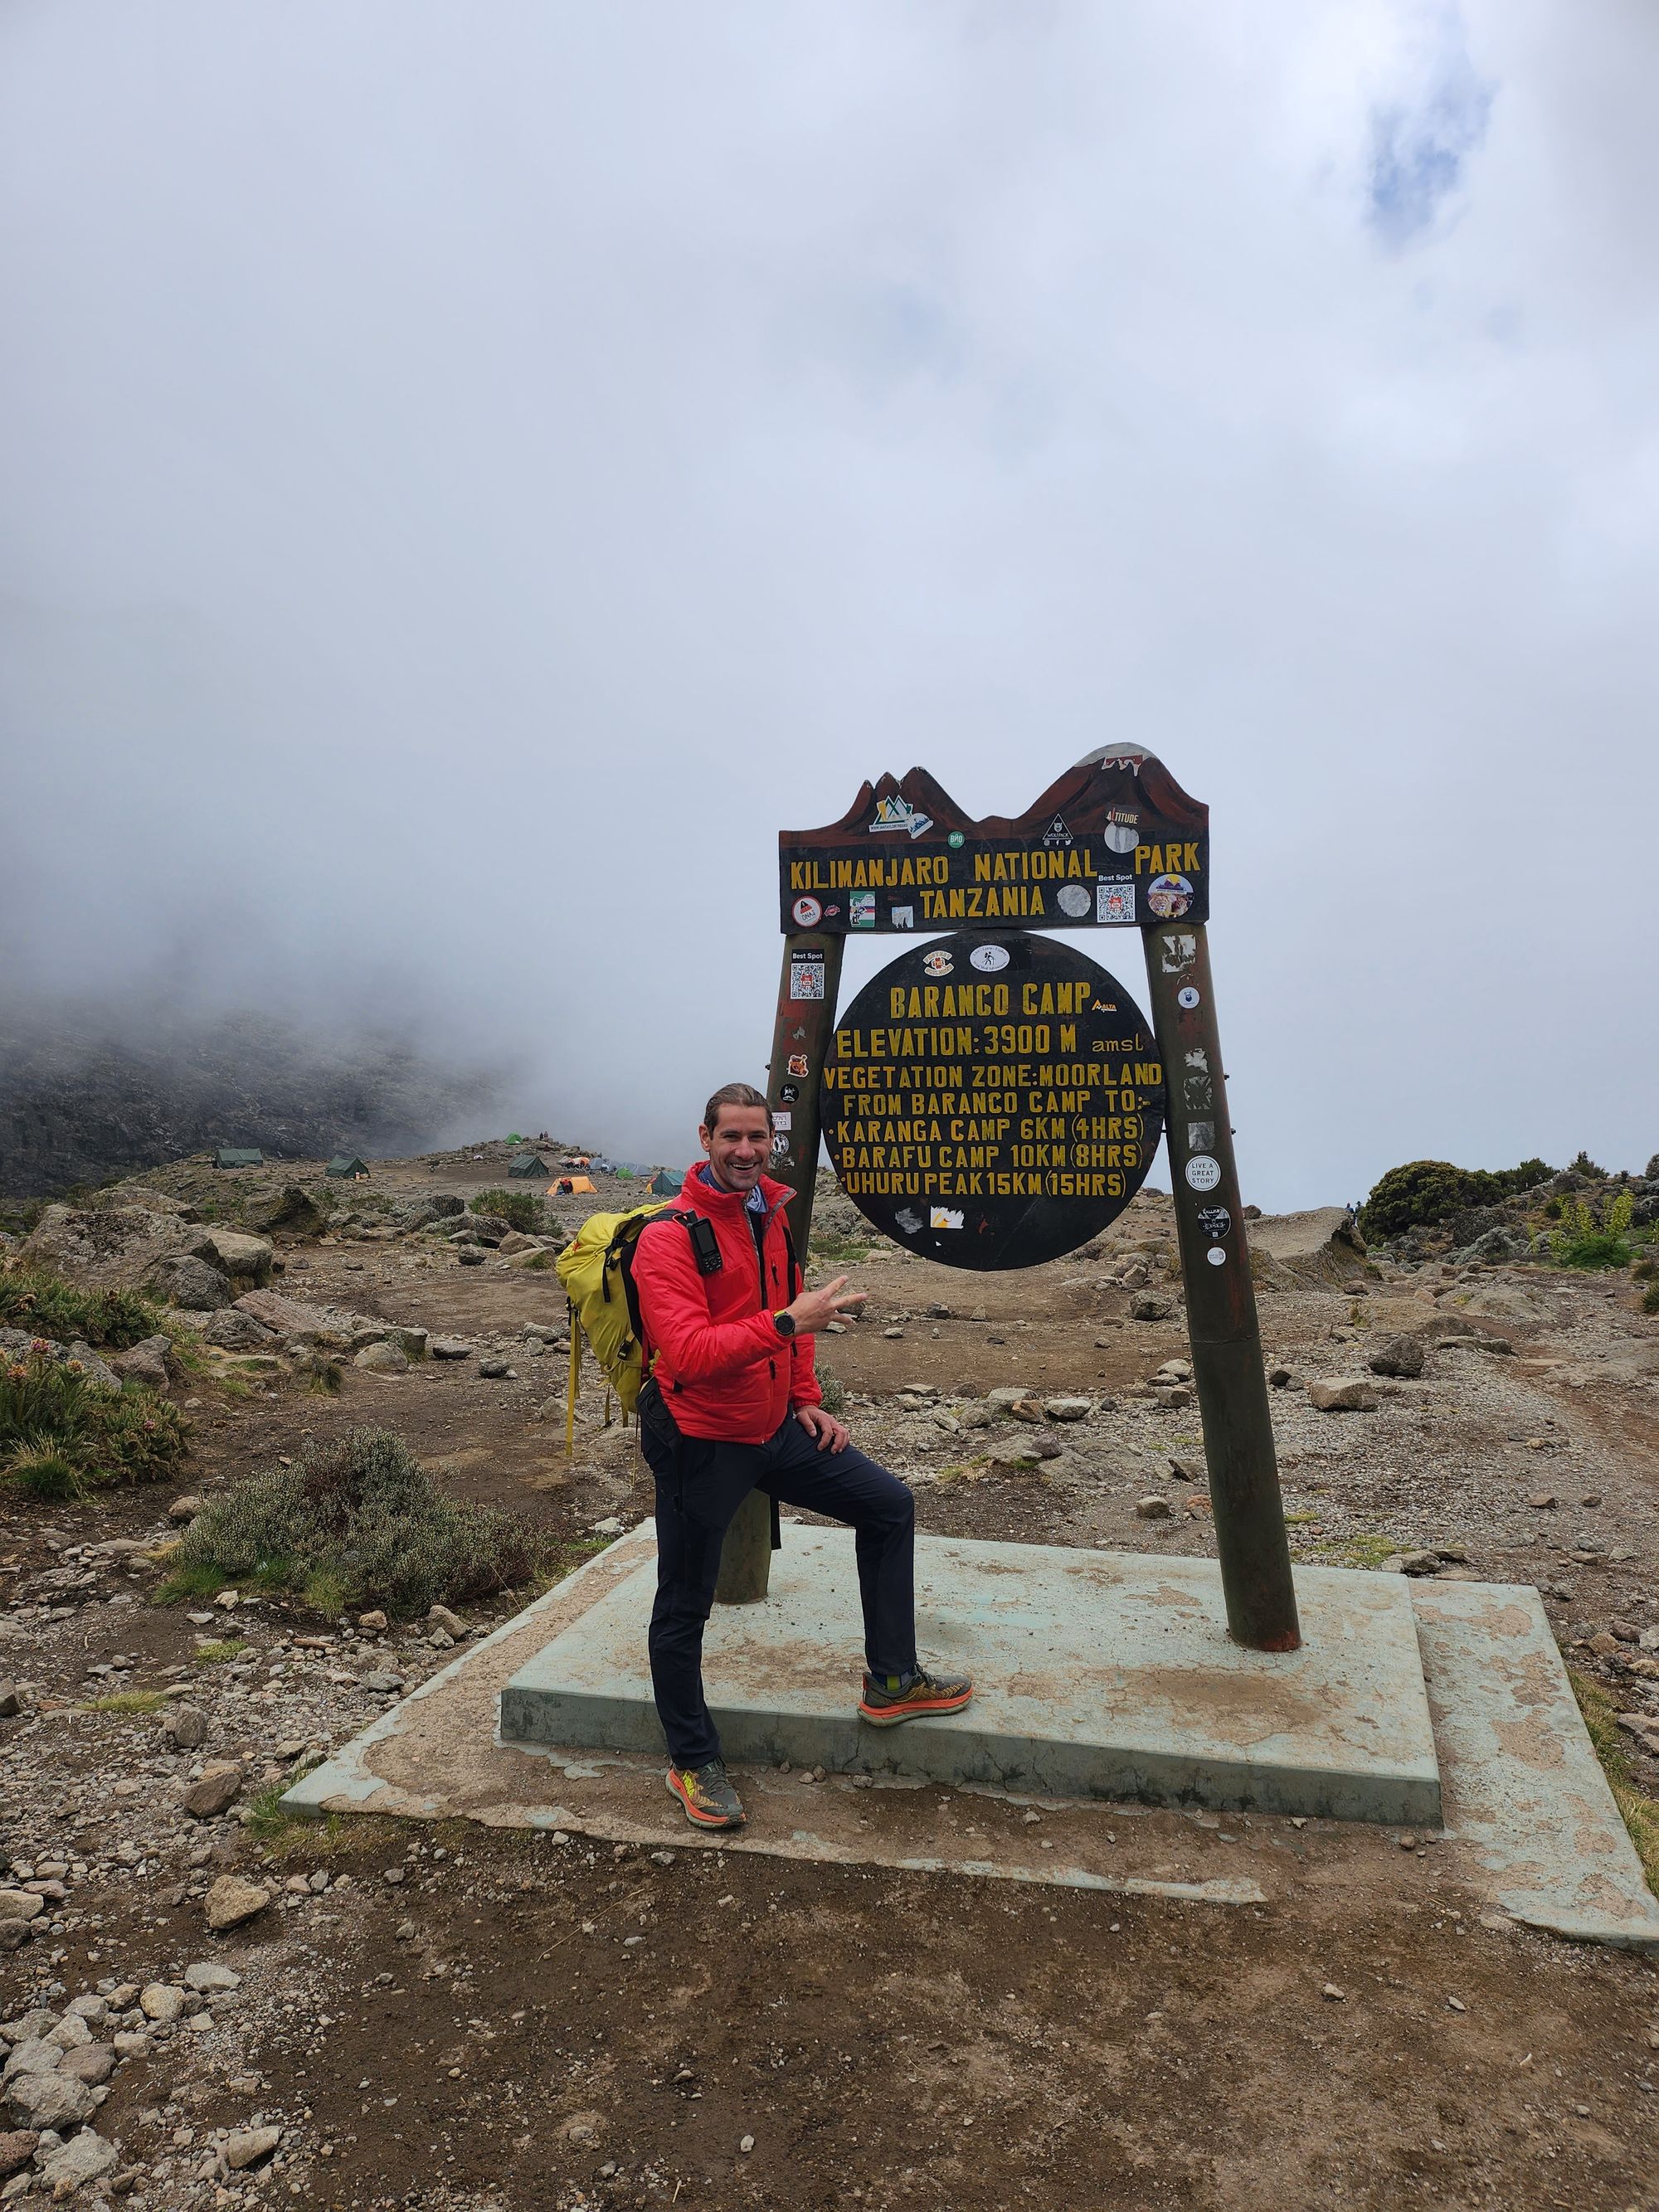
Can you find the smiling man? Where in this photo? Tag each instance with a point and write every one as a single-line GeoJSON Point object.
{"type": "Point", "coordinates": [732, 1405]}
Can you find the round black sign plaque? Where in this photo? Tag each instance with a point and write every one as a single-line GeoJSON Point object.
{"type": "Point", "coordinates": [991, 1100]}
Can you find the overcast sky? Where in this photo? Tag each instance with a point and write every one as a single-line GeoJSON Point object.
{"type": "Point", "coordinates": [473, 474]}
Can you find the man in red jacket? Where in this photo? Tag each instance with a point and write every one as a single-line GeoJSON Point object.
{"type": "Point", "coordinates": [732, 1405]}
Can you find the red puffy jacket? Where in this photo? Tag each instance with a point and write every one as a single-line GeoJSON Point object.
{"type": "Point", "coordinates": [723, 1370]}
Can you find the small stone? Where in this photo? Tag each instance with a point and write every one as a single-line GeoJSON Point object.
{"type": "Point", "coordinates": [1346, 1393]}
{"type": "Point", "coordinates": [372, 1624]}
{"type": "Point", "coordinates": [395, 1874]}
{"type": "Point", "coordinates": [1150, 1305]}
{"type": "Point", "coordinates": [1067, 1409]}
{"type": "Point", "coordinates": [215, 1791]}
{"type": "Point", "coordinates": [233, 1900]}
{"type": "Point", "coordinates": [162, 2001]}
{"type": "Point", "coordinates": [1279, 1377]}
{"type": "Point", "coordinates": [1419, 1563]}
{"type": "Point", "coordinates": [82, 2160]}
{"type": "Point", "coordinates": [1603, 1644]}
{"type": "Point", "coordinates": [386, 1685]}
{"type": "Point", "coordinates": [496, 1370]}
{"type": "Point", "coordinates": [1402, 1356]}
{"type": "Point", "coordinates": [1455, 2004]}
{"type": "Point", "coordinates": [92, 2063]}
{"type": "Point", "coordinates": [11, 1701]}
{"type": "Point", "coordinates": [71, 2032]}
{"type": "Point", "coordinates": [17, 2149]}
{"type": "Point", "coordinates": [207, 1974]}
{"type": "Point", "coordinates": [1332, 1994]}
{"type": "Point", "coordinates": [449, 1347]}
{"type": "Point", "coordinates": [187, 1725]}
{"type": "Point", "coordinates": [21, 1905]}
{"type": "Point", "coordinates": [1006, 1395]}
{"type": "Point", "coordinates": [746, 2144]}
{"type": "Point", "coordinates": [49, 2100]}
{"type": "Point", "coordinates": [382, 1360]}
{"type": "Point", "coordinates": [1152, 1509]}
{"type": "Point", "coordinates": [440, 1616]}
{"type": "Point", "coordinates": [1187, 1470]}
{"type": "Point", "coordinates": [1592, 1500]}
{"type": "Point", "coordinates": [247, 2145]}
{"type": "Point", "coordinates": [894, 1333]}
{"type": "Point", "coordinates": [1544, 1501]}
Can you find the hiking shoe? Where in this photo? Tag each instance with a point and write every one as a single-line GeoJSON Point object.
{"type": "Point", "coordinates": [889, 1699]}
{"type": "Point", "coordinates": [707, 1797]}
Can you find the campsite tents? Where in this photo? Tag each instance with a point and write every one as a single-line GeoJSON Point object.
{"type": "Point", "coordinates": [569, 1186]}
{"type": "Point", "coordinates": [663, 1185]}
{"type": "Point", "coordinates": [230, 1156]}
{"type": "Point", "coordinates": [348, 1166]}
{"type": "Point", "coordinates": [529, 1166]}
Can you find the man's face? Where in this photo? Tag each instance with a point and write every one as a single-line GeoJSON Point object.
{"type": "Point", "coordinates": [738, 1146]}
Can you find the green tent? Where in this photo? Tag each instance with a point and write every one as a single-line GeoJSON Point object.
{"type": "Point", "coordinates": [529, 1166]}
{"type": "Point", "coordinates": [230, 1156]}
{"type": "Point", "coordinates": [663, 1185]}
{"type": "Point", "coordinates": [346, 1165]}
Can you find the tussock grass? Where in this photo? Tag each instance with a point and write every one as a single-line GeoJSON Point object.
{"type": "Point", "coordinates": [128, 1701]}
{"type": "Point", "coordinates": [357, 1522]}
{"type": "Point", "coordinates": [61, 1434]}
{"type": "Point", "coordinates": [218, 1651]}
{"type": "Point", "coordinates": [1639, 1812]}
{"type": "Point", "coordinates": [36, 1300]}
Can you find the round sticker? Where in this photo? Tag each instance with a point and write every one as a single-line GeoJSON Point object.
{"type": "Point", "coordinates": [1121, 836]}
{"type": "Point", "coordinates": [988, 958]}
{"type": "Point", "coordinates": [806, 911]}
{"type": "Point", "coordinates": [1216, 1256]}
{"type": "Point", "coordinates": [1203, 1171]}
{"type": "Point", "coordinates": [1075, 900]}
{"type": "Point", "coordinates": [1168, 896]}
{"type": "Point", "coordinates": [955, 840]}
{"type": "Point", "coordinates": [937, 962]}
{"type": "Point", "coordinates": [1187, 997]}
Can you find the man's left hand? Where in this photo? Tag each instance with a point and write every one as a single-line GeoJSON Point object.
{"type": "Point", "coordinates": [832, 1435]}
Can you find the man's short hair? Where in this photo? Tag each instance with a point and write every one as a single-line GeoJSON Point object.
{"type": "Point", "coordinates": [730, 1094]}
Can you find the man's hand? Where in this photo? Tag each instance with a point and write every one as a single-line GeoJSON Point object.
{"type": "Point", "coordinates": [832, 1435]}
{"type": "Point", "coordinates": [815, 1309]}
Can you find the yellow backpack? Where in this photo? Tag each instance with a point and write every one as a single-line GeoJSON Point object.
{"type": "Point", "coordinates": [596, 1270]}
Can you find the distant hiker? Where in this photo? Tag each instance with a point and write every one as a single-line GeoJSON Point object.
{"type": "Point", "coordinates": [732, 1405]}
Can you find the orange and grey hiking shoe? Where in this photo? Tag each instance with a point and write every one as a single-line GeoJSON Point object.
{"type": "Point", "coordinates": [707, 1797]}
{"type": "Point", "coordinates": [889, 1699]}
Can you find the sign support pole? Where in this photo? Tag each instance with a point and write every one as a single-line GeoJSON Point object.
{"type": "Point", "coordinates": [801, 1031]}
{"type": "Point", "coordinates": [1251, 1545]}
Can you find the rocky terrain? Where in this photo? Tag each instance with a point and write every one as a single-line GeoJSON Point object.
{"type": "Point", "coordinates": [204, 2005]}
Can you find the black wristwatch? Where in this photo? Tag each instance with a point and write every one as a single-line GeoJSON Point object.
{"type": "Point", "coordinates": [784, 1323]}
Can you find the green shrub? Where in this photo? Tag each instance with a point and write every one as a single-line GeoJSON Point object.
{"type": "Point", "coordinates": [835, 1392]}
{"type": "Point", "coordinates": [1588, 1238]}
{"type": "Point", "coordinates": [1583, 1164]}
{"type": "Point", "coordinates": [356, 1522]}
{"type": "Point", "coordinates": [37, 1300]}
{"type": "Point", "coordinates": [1651, 1298]}
{"type": "Point", "coordinates": [1424, 1193]}
{"type": "Point", "coordinates": [61, 1434]}
{"type": "Point", "coordinates": [521, 1209]}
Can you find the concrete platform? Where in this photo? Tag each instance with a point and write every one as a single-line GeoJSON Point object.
{"type": "Point", "coordinates": [1101, 1674]}
{"type": "Point", "coordinates": [1529, 1827]}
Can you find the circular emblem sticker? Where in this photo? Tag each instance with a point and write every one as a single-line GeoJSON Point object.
{"type": "Point", "coordinates": [955, 840]}
{"type": "Point", "coordinates": [988, 958]}
{"type": "Point", "coordinates": [1075, 900]}
{"type": "Point", "coordinates": [806, 911]}
{"type": "Point", "coordinates": [1186, 996]}
{"type": "Point", "coordinates": [1170, 896]}
{"type": "Point", "coordinates": [1121, 836]}
{"type": "Point", "coordinates": [1216, 1256]}
{"type": "Point", "coordinates": [939, 962]}
{"type": "Point", "coordinates": [1203, 1171]}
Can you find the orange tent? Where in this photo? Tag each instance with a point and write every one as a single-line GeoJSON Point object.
{"type": "Point", "coordinates": [567, 1186]}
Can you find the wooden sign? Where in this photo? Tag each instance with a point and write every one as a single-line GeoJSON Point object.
{"type": "Point", "coordinates": [992, 1099]}
{"type": "Point", "coordinates": [1114, 843]}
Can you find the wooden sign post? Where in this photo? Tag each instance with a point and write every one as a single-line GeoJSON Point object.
{"type": "Point", "coordinates": [993, 1099]}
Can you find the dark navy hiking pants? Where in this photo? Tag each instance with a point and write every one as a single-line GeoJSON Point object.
{"type": "Point", "coordinates": [700, 1486]}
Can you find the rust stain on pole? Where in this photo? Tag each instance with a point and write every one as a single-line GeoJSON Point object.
{"type": "Point", "coordinates": [800, 1034]}
{"type": "Point", "coordinates": [1251, 1545]}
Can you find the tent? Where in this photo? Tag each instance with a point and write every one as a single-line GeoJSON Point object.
{"type": "Point", "coordinates": [229, 1156]}
{"type": "Point", "coordinates": [569, 1186]}
{"type": "Point", "coordinates": [663, 1185]}
{"type": "Point", "coordinates": [529, 1166]}
{"type": "Point", "coordinates": [575, 1160]}
{"type": "Point", "coordinates": [348, 1166]}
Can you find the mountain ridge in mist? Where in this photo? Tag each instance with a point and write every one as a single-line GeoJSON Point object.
{"type": "Point", "coordinates": [90, 1092]}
